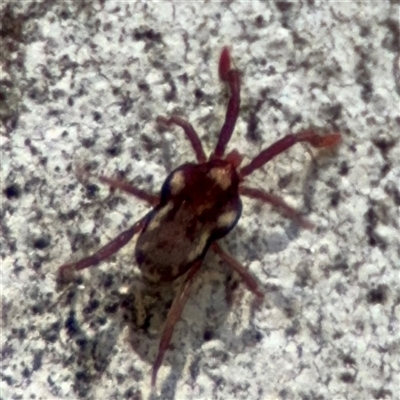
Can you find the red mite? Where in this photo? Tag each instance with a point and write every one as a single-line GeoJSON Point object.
{"type": "Point", "coordinates": [199, 203]}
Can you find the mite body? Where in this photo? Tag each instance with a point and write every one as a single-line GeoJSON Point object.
{"type": "Point", "coordinates": [198, 204]}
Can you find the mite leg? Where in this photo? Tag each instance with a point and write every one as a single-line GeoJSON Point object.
{"type": "Point", "coordinates": [130, 189]}
{"type": "Point", "coordinates": [231, 77]}
{"type": "Point", "coordinates": [247, 278]}
{"type": "Point", "coordinates": [66, 271]}
{"type": "Point", "coordinates": [278, 203]}
{"type": "Point", "coordinates": [83, 176]}
{"type": "Point", "coordinates": [288, 141]}
{"type": "Point", "coordinates": [173, 317]}
{"type": "Point", "coordinates": [190, 133]}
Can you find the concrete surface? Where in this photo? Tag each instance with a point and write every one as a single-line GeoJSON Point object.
{"type": "Point", "coordinates": [81, 86]}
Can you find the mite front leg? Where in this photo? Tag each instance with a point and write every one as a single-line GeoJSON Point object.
{"type": "Point", "coordinates": [190, 133]}
{"type": "Point", "coordinates": [277, 202]}
{"type": "Point", "coordinates": [65, 272]}
{"type": "Point", "coordinates": [173, 317]}
{"type": "Point", "coordinates": [231, 77]}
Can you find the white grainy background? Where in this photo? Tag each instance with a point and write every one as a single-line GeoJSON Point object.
{"type": "Point", "coordinates": [81, 86]}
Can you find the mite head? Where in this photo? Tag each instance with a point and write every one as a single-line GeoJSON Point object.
{"type": "Point", "coordinates": [204, 187]}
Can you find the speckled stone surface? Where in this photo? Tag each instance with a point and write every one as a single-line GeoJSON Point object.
{"type": "Point", "coordinates": [81, 86]}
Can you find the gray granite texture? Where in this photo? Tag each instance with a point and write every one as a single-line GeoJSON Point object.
{"type": "Point", "coordinates": [81, 85]}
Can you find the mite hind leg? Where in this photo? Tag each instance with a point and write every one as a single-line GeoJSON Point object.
{"type": "Point", "coordinates": [66, 271]}
{"type": "Point", "coordinates": [245, 275]}
{"type": "Point", "coordinates": [173, 317]}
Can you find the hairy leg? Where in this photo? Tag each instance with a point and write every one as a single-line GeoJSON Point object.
{"type": "Point", "coordinates": [65, 272]}
{"type": "Point", "coordinates": [190, 133]}
{"type": "Point", "coordinates": [285, 143]}
{"type": "Point", "coordinates": [247, 278]}
{"type": "Point", "coordinates": [277, 202]}
{"type": "Point", "coordinates": [173, 317]}
{"type": "Point", "coordinates": [232, 78]}
{"type": "Point", "coordinates": [130, 189]}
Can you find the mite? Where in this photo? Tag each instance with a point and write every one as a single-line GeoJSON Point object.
{"type": "Point", "coordinates": [199, 203]}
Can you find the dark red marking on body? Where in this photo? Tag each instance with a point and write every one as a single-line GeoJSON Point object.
{"type": "Point", "coordinates": [198, 204]}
